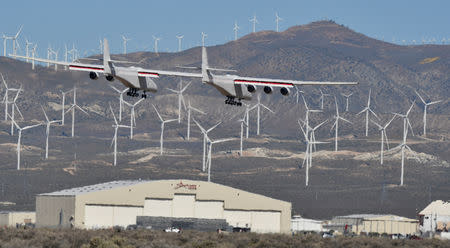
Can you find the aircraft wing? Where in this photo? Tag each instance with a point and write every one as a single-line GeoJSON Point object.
{"type": "Point", "coordinates": [284, 82]}
{"type": "Point", "coordinates": [157, 73]}
{"type": "Point", "coordinates": [72, 66]}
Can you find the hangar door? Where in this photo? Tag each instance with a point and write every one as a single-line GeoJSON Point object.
{"type": "Point", "coordinates": [100, 216]}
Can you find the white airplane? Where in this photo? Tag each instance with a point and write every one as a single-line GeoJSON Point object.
{"type": "Point", "coordinates": [231, 86]}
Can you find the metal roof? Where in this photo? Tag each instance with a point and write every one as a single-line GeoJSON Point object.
{"type": "Point", "coordinates": [437, 207]}
{"type": "Point", "coordinates": [374, 217]}
{"type": "Point", "coordinates": [94, 188]}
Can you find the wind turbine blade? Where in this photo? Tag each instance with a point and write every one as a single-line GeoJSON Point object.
{"type": "Point", "coordinates": [387, 124]}
{"type": "Point", "coordinates": [114, 88]}
{"type": "Point", "coordinates": [114, 138]}
{"type": "Point", "coordinates": [386, 138]}
{"type": "Point", "coordinates": [136, 103]}
{"type": "Point", "coordinates": [174, 91]}
{"type": "Point", "coordinates": [18, 110]}
{"type": "Point", "coordinates": [410, 108]}
{"type": "Point", "coordinates": [345, 119]}
{"type": "Point", "coordinates": [417, 93]}
{"type": "Point", "coordinates": [158, 113]}
{"type": "Point", "coordinates": [334, 124]}
{"type": "Point", "coordinates": [213, 127]}
{"type": "Point", "coordinates": [4, 82]}
{"type": "Point", "coordinates": [182, 101]}
{"type": "Point", "coordinates": [264, 106]}
{"type": "Point", "coordinates": [376, 124]}
{"type": "Point", "coordinates": [199, 111]}
{"type": "Point", "coordinates": [222, 140]}
{"type": "Point", "coordinates": [45, 114]}
{"type": "Point", "coordinates": [114, 116]}
{"type": "Point", "coordinates": [14, 122]}
{"type": "Point", "coordinates": [185, 87]}
{"type": "Point", "coordinates": [374, 113]}
{"type": "Point", "coordinates": [362, 111]}
{"type": "Point", "coordinates": [434, 102]}
{"type": "Point", "coordinates": [82, 110]}
{"type": "Point", "coordinates": [171, 120]}
{"type": "Point", "coordinates": [304, 101]}
{"type": "Point", "coordinates": [32, 126]}
{"type": "Point", "coordinates": [316, 127]}
{"type": "Point", "coordinates": [200, 127]}
{"type": "Point", "coordinates": [414, 154]}
{"type": "Point", "coordinates": [409, 124]}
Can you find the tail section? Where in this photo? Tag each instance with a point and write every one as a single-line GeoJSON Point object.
{"type": "Point", "coordinates": [205, 72]}
{"type": "Point", "coordinates": [106, 58]}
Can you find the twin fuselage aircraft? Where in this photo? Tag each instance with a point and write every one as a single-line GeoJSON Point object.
{"type": "Point", "coordinates": [234, 87]}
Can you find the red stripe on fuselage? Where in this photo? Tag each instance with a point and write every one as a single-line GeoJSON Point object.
{"type": "Point", "coordinates": [260, 82]}
{"type": "Point", "coordinates": [86, 67]}
{"type": "Point", "coordinates": [150, 73]}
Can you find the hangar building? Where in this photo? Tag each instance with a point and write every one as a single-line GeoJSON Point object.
{"type": "Point", "coordinates": [119, 203]}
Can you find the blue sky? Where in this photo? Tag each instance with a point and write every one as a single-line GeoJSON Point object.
{"type": "Point", "coordinates": [84, 22]}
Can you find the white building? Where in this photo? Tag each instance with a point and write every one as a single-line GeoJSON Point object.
{"type": "Point", "coordinates": [300, 224]}
{"type": "Point", "coordinates": [435, 217]}
{"type": "Point", "coordinates": [120, 203]}
{"type": "Point", "coordinates": [12, 219]}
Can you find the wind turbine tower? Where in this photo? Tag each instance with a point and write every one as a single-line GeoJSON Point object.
{"type": "Point", "coordinates": [125, 40]}
{"type": "Point", "coordinates": [47, 130]}
{"type": "Point", "coordinates": [367, 109]}
{"type": "Point", "coordinates": [20, 138]}
{"type": "Point", "coordinates": [322, 98]}
{"type": "Point", "coordinates": [121, 92]}
{"type": "Point", "coordinates": [211, 143]}
{"type": "Point", "coordinates": [347, 96]}
{"type": "Point", "coordinates": [116, 129]}
{"type": "Point", "coordinates": [180, 38]}
{"type": "Point", "coordinates": [254, 21]}
{"type": "Point", "coordinates": [72, 108]}
{"type": "Point", "coordinates": [337, 117]}
{"type": "Point", "coordinates": [156, 39]}
{"type": "Point", "coordinates": [235, 29]}
{"type": "Point", "coordinates": [258, 108]}
{"type": "Point", "coordinates": [383, 136]}
{"type": "Point", "coordinates": [13, 108]}
{"type": "Point", "coordinates": [133, 115]}
{"type": "Point", "coordinates": [179, 92]}
{"type": "Point", "coordinates": [426, 104]}
{"type": "Point", "coordinates": [204, 35]}
{"type": "Point", "coordinates": [189, 108]}
{"type": "Point", "coordinates": [163, 122]}
{"type": "Point", "coordinates": [277, 20]}
{"type": "Point", "coordinates": [403, 145]}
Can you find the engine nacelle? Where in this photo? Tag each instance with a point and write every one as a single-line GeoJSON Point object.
{"type": "Point", "coordinates": [268, 90]}
{"type": "Point", "coordinates": [251, 88]}
{"type": "Point", "coordinates": [285, 91]}
{"type": "Point", "coordinates": [93, 75]}
{"type": "Point", "coordinates": [109, 78]}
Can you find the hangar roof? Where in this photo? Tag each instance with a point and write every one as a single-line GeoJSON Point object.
{"type": "Point", "coordinates": [95, 187]}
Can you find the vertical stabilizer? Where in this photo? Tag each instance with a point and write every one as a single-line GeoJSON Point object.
{"type": "Point", "coordinates": [106, 57]}
{"type": "Point", "coordinates": [205, 71]}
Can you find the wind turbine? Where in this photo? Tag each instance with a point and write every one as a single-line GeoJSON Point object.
{"type": "Point", "coordinates": [5, 97]}
{"type": "Point", "coordinates": [121, 92]}
{"type": "Point", "coordinates": [426, 104]}
{"type": "Point", "coordinates": [308, 110]}
{"type": "Point", "coordinates": [205, 139]}
{"type": "Point", "coordinates": [14, 40]}
{"type": "Point", "coordinates": [204, 35]}
{"type": "Point", "coordinates": [258, 108]}
{"type": "Point", "coordinates": [13, 108]}
{"type": "Point", "coordinates": [47, 130]}
{"type": "Point", "coordinates": [20, 138]}
{"type": "Point", "coordinates": [189, 108]}
{"type": "Point", "coordinates": [297, 93]}
{"type": "Point", "coordinates": [211, 143]}
{"type": "Point", "coordinates": [179, 92]}
{"type": "Point", "coordinates": [367, 110]}
{"type": "Point", "coordinates": [322, 98]}
{"type": "Point", "coordinates": [33, 54]}
{"type": "Point", "coordinates": [133, 115]}
{"type": "Point", "coordinates": [346, 100]}
{"type": "Point", "coordinates": [125, 40]}
{"type": "Point", "coordinates": [72, 108]}
{"type": "Point", "coordinates": [63, 102]}
{"type": "Point", "coordinates": [156, 39]}
{"type": "Point", "coordinates": [247, 118]}
{"type": "Point", "coordinates": [243, 122]}
{"type": "Point", "coordinates": [337, 117]}
{"type": "Point", "coordinates": [383, 136]}
{"type": "Point", "coordinates": [254, 21]}
{"type": "Point", "coordinates": [310, 141]}
{"type": "Point", "coordinates": [277, 19]}
{"type": "Point", "coordinates": [179, 37]}
{"type": "Point", "coordinates": [114, 140]}
{"type": "Point", "coordinates": [403, 145]}
{"type": "Point", "coordinates": [5, 39]}
{"type": "Point", "coordinates": [163, 122]}
{"type": "Point", "coordinates": [235, 29]}
{"type": "Point", "coordinates": [27, 45]}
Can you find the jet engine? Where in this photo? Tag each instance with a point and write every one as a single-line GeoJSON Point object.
{"type": "Point", "coordinates": [93, 75]}
{"type": "Point", "coordinates": [251, 88]}
{"type": "Point", "coordinates": [285, 91]}
{"type": "Point", "coordinates": [109, 78]}
{"type": "Point", "coordinates": [268, 89]}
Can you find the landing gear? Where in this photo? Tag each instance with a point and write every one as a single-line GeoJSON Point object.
{"type": "Point", "coordinates": [132, 92]}
{"type": "Point", "coordinates": [144, 95]}
{"type": "Point", "coordinates": [230, 100]}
